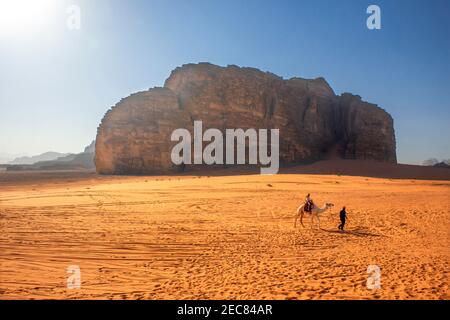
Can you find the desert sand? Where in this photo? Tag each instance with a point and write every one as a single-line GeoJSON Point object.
{"type": "Point", "coordinates": [221, 237]}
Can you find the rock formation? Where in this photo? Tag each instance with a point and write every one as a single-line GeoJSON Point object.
{"type": "Point", "coordinates": [90, 148]}
{"type": "Point", "coordinates": [134, 136]}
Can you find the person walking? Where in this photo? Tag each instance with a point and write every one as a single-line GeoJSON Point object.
{"type": "Point", "coordinates": [343, 216]}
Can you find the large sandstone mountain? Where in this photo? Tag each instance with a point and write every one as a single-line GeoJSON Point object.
{"type": "Point", "coordinates": [134, 136]}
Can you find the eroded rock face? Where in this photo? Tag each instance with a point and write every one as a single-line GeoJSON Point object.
{"type": "Point", "coordinates": [367, 132]}
{"type": "Point", "coordinates": [134, 136]}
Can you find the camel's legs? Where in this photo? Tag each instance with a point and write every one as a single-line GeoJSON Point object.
{"type": "Point", "coordinates": [301, 219]}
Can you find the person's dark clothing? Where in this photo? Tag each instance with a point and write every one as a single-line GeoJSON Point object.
{"type": "Point", "coordinates": [308, 206]}
{"type": "Point", "coordinates": [343, 216]}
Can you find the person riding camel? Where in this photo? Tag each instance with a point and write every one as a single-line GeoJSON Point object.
{"type": "Point", "coordinates": [309, 204]}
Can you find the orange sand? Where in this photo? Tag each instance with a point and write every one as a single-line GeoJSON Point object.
{"type": "Point", "coordinates": [221, 237]}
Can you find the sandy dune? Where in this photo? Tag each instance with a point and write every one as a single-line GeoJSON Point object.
{"type": "Point", "coordinates": [229, 237]}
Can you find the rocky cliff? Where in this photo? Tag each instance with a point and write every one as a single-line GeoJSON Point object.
{"type": "Point", "coordinates": [134, 136]}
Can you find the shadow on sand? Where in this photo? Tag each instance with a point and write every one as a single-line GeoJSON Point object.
{"type": "Point", "coordinates": [355, 232]}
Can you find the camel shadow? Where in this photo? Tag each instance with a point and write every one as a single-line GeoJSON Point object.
{"type": "Point", "coordinates": [355, 232]}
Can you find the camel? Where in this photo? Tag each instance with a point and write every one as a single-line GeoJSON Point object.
{"type": "Point", "coordinates": [316, 211]}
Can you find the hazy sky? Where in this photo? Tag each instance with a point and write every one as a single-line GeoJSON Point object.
{"type": "Point", "coordinates": [56, 84]}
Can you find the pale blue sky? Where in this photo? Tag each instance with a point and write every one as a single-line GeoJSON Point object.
{"type": "Point", "coordinates": [56, 84]}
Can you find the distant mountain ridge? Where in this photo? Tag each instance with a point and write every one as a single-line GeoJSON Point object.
{"type": "Point", "coordinates": [441, 164]}
{"type": "Point", "coordinates": [90, 148]}
{"type": "Point", "coordinates": [46, 156]}
{"type": "Point", "coordinates": [57, 161]}
{"type": "Point", "coordinates": [7, 157]}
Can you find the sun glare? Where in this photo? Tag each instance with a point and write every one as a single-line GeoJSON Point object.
{"type": "Point", "coordinates": [19, 17]}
